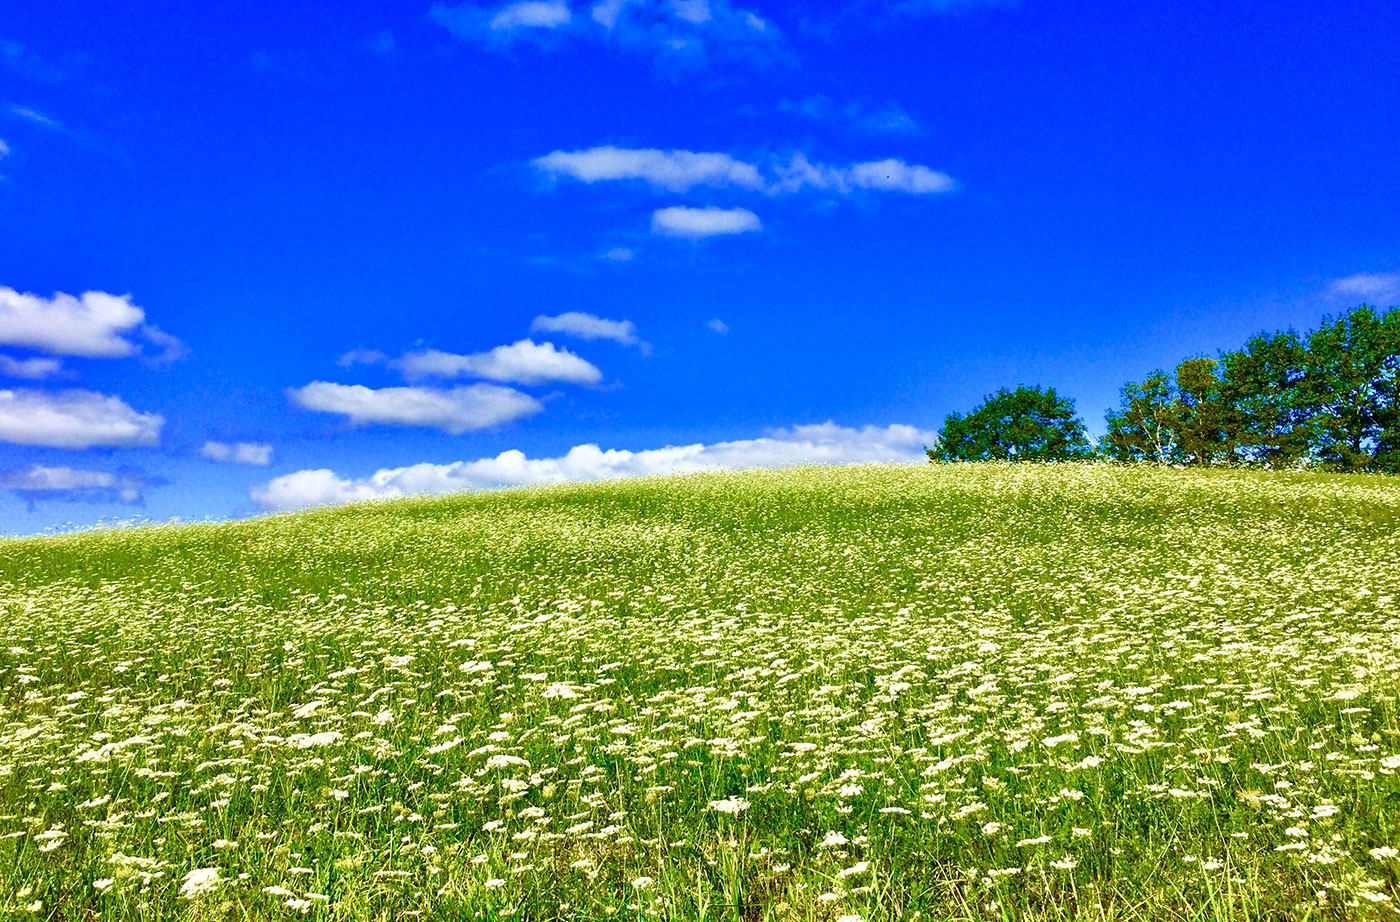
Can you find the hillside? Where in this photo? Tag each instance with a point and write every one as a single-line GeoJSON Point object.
{"type": "Point", "coordinates": [965, 691]}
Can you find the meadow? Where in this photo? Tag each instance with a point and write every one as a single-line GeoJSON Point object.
{"type": "Point", "coordinates": [930, 692]}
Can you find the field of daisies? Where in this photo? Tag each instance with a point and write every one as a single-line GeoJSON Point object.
{"type": "Point", "coordinates": [937, 692]}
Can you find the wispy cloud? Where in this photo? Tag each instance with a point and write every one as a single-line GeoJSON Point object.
{"type": "Point", "coordinates": [718, 326]}
{"type": "Point", "coordinates": [695, 223]}
{"type": "Point", "coordinates": [683, 170]}
{"type": "Point", "coordinates": [523, 362]}
{"type": "Point", "coordinates": [31, 369]}
{"type": "Point", "coordinates": [36, 117]}
{"type": "Point", "coordinates": [1380, 289]}
{"type": "Point", "coordinates": [257, 454]}
{"type": "Point", "coordinates": [75, 419]}
{"type": "Point", "coordinates": [889, 118]}
{"type": "Point", "coordinates": [503, 25]}
{"type": "Point", "coordinates": [688, 32]}
{"type": "Point", "coordinates": [888, 175]}
{"type": "Point", "coordinates": [31, 66]}
{"type": "Point", "coordinates": [671, 170]}
{"type": "Point", "coordinates": [588, 326]}
{"type": "Point", "coordinates": [361, 357]}
{"type": "Point", "coordinates": [453, 410]}
{"type": "Point", "coordinates": [37, 482]}
{"type": "Point", "coordinates": [93, 325]}
{"type": "Point", "coordinates": [825, 443]}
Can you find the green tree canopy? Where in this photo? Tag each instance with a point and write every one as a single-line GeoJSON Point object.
{"type": "Point", "coordinates": [1330, 398]}
{"type": "Point", "coordinates": [1027, 424]}
{"type": "Point", "coordinates": [1350, 390]}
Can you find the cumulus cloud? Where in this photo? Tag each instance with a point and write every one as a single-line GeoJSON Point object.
{"type": "Point", "coordinates": [694, 223]}
{"type": "Point", "coordinates": [672, 170]}
{"type": "Point", "coordinates": [688, 31]}
{"type": "Point", "coordinates": [454, 411]}
{"type": "Point", "coordinates": [33, 369]}
{"type": "Point", "coordinates": [93, 325]}
{"type": "Point", "coordinates": [587, 326]}
{"type": "Point", "coordinates": [257, 454]}
{"type": "Point", "coordinates": [37, 482]}
{"type": "Point", "coordinates": [1380, 289]}
{"type": "Point", "coordinates": [523, 362]}
{"type": "Point", "coordinates": [74, 419]}
{"type": "Point", "coordinates": [825, 443]}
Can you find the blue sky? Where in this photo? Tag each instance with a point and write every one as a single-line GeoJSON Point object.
{"type": "Point", "coordinates": [254, 256]}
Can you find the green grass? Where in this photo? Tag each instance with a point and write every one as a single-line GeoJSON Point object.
{"type": "Point", "coordinates": [964, 692]}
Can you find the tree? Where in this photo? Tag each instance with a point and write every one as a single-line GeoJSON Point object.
{"type": "Point", "coordinates": [1351, 390]}
{"type": "Point", "coordinates": [1144, 428]}
{"type": "Point", "coordinates": [1262, 385]}
{"type": "Point", "coordinates": [1202, 417]}
{"type": "Point", "coordinates": [1027, 424]}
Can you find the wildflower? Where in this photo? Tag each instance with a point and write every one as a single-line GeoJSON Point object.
{"type": "Point", "coordinates": [104, 883]}
{"type": "Point", "coordinates": [731, 805]}
{"type": "Point", "coordinates": [494, 883]}
{"type": "Point", "coordinates": [642, 883]}
{"type": "Point", "coordinates": [1038, 840]}
{"type": "Point", "coordinates": [199, 881]}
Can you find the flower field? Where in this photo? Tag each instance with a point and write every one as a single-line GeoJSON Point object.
{"type": "Point", "coordinates": [934, 692]}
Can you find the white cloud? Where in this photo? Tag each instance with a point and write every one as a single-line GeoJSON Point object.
{"type": "Point", "coordinates": [619, 255]}
{"type": "Point", "coordinates": [361, 357]}
{"type": "Point", "coordinates": [504, 24]}
{"type": "Point", "coordinates": [34, 369]}
{"type": "Point", "coordinates": [587, 326]}
{"type": "Point", "coordinates": [672, 170]}
{"type": "Point", "coordinates": [74, 419]}
{"type": "Point", "coordinates": [674, 30]}
{"type": "Point", "coordinates": [825, 443]}
{"type": "Point", "coordinates": [890, 175]}
{"type": "Point", "coordinates": [258, 454]}
{"type": "Point", "coordinates": [1380, 289]}
{"type": "Point", "coordinates": [455, 410]}
{"type": "Point", "coordinates": [718, 326]}
{"type": "Point", "coordinates": [531, 14]}
{"type": "Point", "coordinates": [38, 118]}
{"type": "Point", "coordinates": [523, 362]}
{"type": "Point", "coordinates": [694, 223]}
{"type": "Point", "coordinates": [94, 325]}
{"type": "Point", "coordinates": [39, 482]}
{"type": "Point", "coordinates": [4, 149]}
{"type": "Point", "coordinates": [682, 170]}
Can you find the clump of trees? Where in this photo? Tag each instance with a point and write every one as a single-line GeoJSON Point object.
{"type": "Point", "coordinates": [1329, 399]}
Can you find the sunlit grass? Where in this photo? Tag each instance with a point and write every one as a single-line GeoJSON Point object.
{"type": "Point", "coordinates": [877, 692]}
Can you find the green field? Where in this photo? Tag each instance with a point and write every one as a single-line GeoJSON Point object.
{"type": "Point", "coordinates": [1009, 692]}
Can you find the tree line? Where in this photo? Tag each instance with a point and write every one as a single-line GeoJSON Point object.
{"type": "Point", "coordinates": [1328, 399]}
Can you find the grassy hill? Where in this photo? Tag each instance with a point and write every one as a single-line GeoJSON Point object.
{"type": "Point", "coordinates": [872, 692]}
